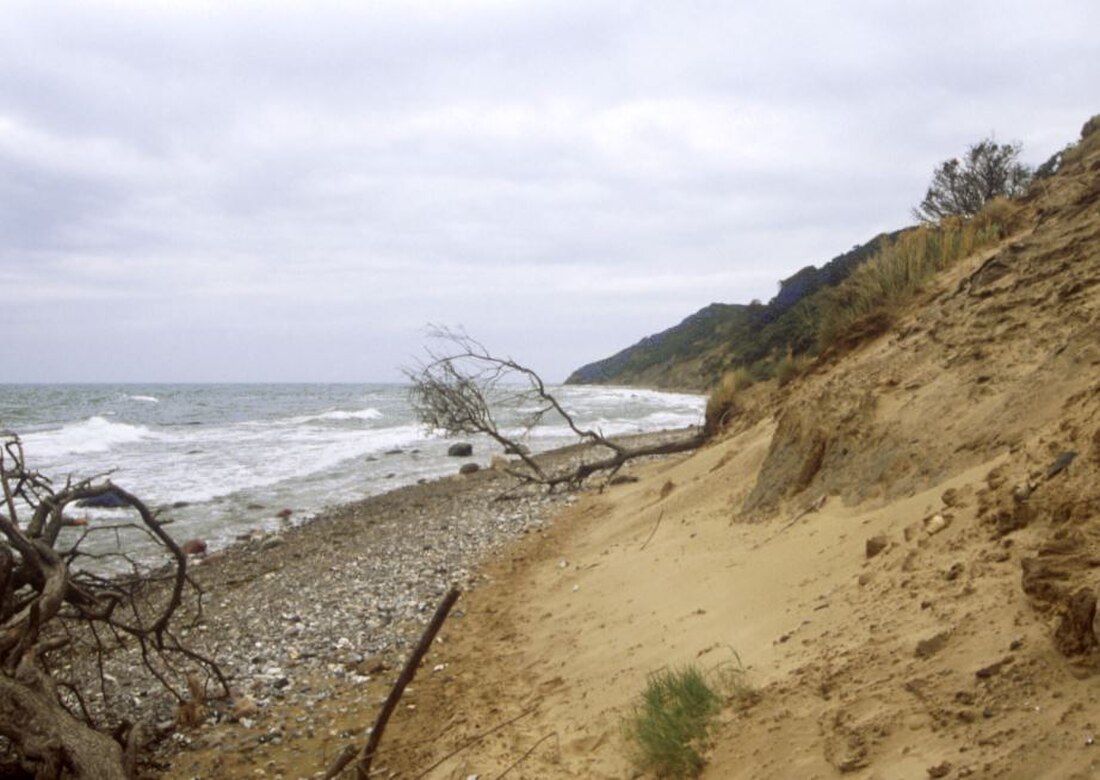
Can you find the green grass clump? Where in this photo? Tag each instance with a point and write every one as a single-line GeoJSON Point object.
{"type": "Point", "coordinates": [899, 270]}
{"type": "Point", "coordinates": [670, 722]}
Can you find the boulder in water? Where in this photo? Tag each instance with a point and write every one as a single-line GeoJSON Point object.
{"type": "Point", "coordinates": [109, 500]}
{"type": "Point", "coordinates": [460, 450]}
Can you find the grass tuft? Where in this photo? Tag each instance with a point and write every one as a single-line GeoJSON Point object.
{"type": "Point", "coordinates": [790, 367]}
{"type": "Point", "coordinates": [671, 720]}
{"type": "Point", "coordinates": [723, 403]}
{"type": "Point", "coordinates": [898, 271]}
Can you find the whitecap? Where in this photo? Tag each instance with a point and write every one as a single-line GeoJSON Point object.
{"type": "Point", "coordinates": [95, 434]}
{"type": "Point", "coordinates": [149, 399]}
{"type": "Point", "coordinates": [363, 414]}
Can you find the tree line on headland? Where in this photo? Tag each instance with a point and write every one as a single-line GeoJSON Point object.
{"type": "Point", "coordinates": [972, 201]}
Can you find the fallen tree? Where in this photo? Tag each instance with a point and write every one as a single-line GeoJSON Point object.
{"type": "Point", "coordinates": [460, 384]}
{"type": "Point", "coordinates": [72, 595]}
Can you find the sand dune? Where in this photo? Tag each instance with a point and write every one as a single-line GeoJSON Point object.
{"type": "Point", "coordinates": [963, 648]}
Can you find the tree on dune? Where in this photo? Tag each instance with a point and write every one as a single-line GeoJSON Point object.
{"type": "Point", "coordinates": [960, 188]}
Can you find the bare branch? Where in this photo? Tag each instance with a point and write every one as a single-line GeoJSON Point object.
{"type": "Point", "coordinates": [46, 606]}
{"type": "Point", "coordinates": [460, 384]}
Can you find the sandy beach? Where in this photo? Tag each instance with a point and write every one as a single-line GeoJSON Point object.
{"type": "Point", "coordinates": [313, 623]}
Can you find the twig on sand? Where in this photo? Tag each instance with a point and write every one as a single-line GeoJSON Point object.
{"type": "Point", "coordinates": [814, 507]}
{"type": "Point", "coordinates": [523, 758]}
{"type": "Point", "coordinates": [653, 532]}
{"type": "Point", "coordinates": [362, 769]}
{"type": "Point", "coordinates": [473, 741]}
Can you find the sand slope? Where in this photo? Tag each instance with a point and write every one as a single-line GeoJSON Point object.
{"type": "Point", "coordinates": [964, 648]}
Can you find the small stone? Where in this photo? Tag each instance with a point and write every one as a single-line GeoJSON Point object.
{"type": "Point", "coordinates": [935, 524]}
{"type": "Point", "coordinates": [929, 647]}
{"type": "Point", "coordinates": [876, 544]}
{"type": "Point", "coordinates": [1021, 492]}
{"type": "Point", "coordinates": [988, 671]}
{"type": "Point", "coordinates": [271, 542]}
{"type": "Point", "coordinates": [1060, 463]}
{"type": "Point", "coordinates": [244, 707]}
{"type": "Point", "coordinates": [469, 468]}
{"type": "Point", "coordinates": [953, 573]}
{"type": "Point", "coordinates": [193, 547]}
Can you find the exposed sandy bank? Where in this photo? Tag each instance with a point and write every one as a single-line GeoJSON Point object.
{"type": "Point", "coordinates": [968, 438]}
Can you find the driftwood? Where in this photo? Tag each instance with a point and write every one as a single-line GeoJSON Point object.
{"type": "Point", "coordinates": [461, 388]}
{"type": "Point", "coordinates": [362, 768]}
{"type": "Point", "coordinates": [55, 599]}
{"type": "Point", "coordinates": [473, 741]}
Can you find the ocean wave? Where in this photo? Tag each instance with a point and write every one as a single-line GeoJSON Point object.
{"type": "Point", "coordinates": [363, 414]}
{"type": "Point", "coordinates": [95, 434]}
{"type": "Point", "coordinates": [148, 399]}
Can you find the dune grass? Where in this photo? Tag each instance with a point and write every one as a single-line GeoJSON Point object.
{"type": "Point", "coordinates": [669, 723]}
{"type": "Point", "coordinates": [722, 403]}
{"type": "Point", "coordinates": [876, 289]}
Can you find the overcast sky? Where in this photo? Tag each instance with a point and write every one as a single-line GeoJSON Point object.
{"type": "Point", "coordinates": [265, 191]}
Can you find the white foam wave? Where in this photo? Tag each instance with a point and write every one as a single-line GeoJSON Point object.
{"type": "Point", "coordinates": [362, 414]}
{"type": "Point", "coordinates": [234, 460]}
{"type": "Point", "coordinates": [148, 399]}
{"type": "Point", "coordinates": [96, 434]}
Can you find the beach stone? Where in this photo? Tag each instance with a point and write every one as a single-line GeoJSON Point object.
{"type": "Point", "coordinates": [929, 647]}
{"type": "Point", "coordinates": [271, 542]}
{"type": "Point", "coordinates": [1060, 463]}
{"type": "Point", "coordinates": [193, 547]}
{"type": "Point", "coordinates": [244, 707]}
{"type": "Point", "coordinates": [460, 450]}
{"type": "Point", "coordinates": [935, 524]}
{"type": "Point", "coordinates": [106, 501]}
{"type": "Point", "coordinates": [876, 544]}
{"type": "Point", "coordinates": [469, 468]}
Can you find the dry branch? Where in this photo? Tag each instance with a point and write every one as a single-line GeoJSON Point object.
{"type": "Point", "coordinates": [362, 768]}
{"type": "Point", "coordinates": [460, 384]}
{"type": "Point", "coordinates": [54, 599]}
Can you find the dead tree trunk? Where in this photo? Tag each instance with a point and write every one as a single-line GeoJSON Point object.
{"type": "Point", "coordinates": [55, 597]}
{"type": "Point", "coordinates": [459, 386]}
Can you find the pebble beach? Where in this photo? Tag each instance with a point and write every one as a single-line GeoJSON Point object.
{"type": "Point", "coordinates": [308, 618]}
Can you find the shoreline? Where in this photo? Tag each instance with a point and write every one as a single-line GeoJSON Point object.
{"type": "Point", "coordinates": [323, 612]}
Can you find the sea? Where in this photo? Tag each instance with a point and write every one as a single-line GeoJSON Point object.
{"type": "Point", "coordinates": [223, 460]}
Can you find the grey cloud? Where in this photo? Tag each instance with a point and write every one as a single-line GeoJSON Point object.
{"type": "Point", "coordinates": [292, 190]}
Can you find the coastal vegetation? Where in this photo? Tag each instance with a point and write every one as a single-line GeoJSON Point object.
{"type": "Point", "coordinates": [962, 188]}
{"type": "Point", "coordinates": [970, 203]}
{"type": "Point", "coordinates": [671, 720]}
